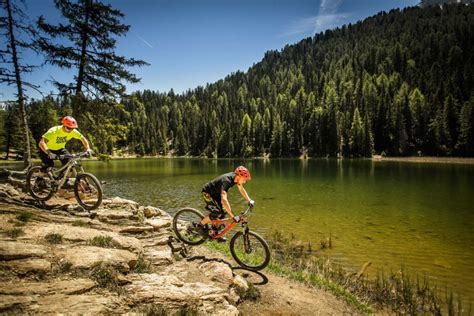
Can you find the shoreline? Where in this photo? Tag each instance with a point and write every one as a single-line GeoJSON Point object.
{"type": "Point", "coordinates": [428, 159]}
{"type": "Point", "coordinates": [375, 158]}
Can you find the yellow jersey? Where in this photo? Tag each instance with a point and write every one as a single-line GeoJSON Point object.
{"type": "Point", "coordinates": [56, 137]}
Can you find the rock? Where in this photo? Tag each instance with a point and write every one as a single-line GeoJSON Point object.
{"type": "Point", "coordinates": [136, 229]}
{"type": "Point", "coordinates": [82, 234]}
{"type": "Point", "coordinates": [240, 283]}
{"type": "Point", "coordinates": [158, 223]}
{"type": "Point", "coordinates": [104, 214]}
{"type": "Point", "coordinates": [67, 287]}
{"type": "Point", "coordinates": [86, 257]}
{"type": "Point", "coordinates": [150, 211]}
{"type": "Point", "coordinates": [218, 272]}
{"type": "Point", "coordinates": [8, 303]}
{"type": "Point", "coordinates": [75, 304]}
{"type": "Point", "coordinates": [171, 293]}
{"type": "Point", "coordinates": [159, 240]}
{"type": "Point", "coordinates": [8, 191]}
{"type": "Point", "coordinates": [26, 266]}
{"type": "Point", "coordinates": [159, 257]}
{"type": "Point", "coordinates": [119, 203]}
{"type": "Point", "coordinates": [12, 250]}
{"type": "Point", "coordinates": [17, 183]}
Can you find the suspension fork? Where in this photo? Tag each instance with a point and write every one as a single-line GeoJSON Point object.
{"type": "Point", "coordinates": [247, 246]}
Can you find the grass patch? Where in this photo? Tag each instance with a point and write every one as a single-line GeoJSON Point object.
{"type": "Point", "coordinates": [54, 238]}
{"type": "Point", "coordinates": [24, 216]}
{"type": "Point", "coordinates": [103, 241]}
{"type": "Point", "coordinates": [106, 277]}
{"type": "Point", "coordinates": [80, 223]}
{"type": "Point", "coordinates": [14, 232]}
{"type": "Point", "coordinates": [396, 291]}
{"type": "Point", "coordinates": [62, 266]}
{"type": "Point", "coordinates": [143, 266]}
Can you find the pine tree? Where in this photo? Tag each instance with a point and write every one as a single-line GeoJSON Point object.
{"type": "Point", "coordinates": [465, 143]}
{"type": "Point", "coordinates": [12, 27]}
{"type": "Point", "coordinates": [87, 43]}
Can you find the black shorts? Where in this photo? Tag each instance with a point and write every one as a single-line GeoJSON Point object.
{"type": "Point", "coordinates": [50, 163]}
{"type": "Point", "coordinates": [213, 205]}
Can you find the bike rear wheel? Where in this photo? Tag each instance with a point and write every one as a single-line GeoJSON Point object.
{"type": "Point", "coordinates": [88, 191]}
{"type": "Point", "coordinates": [40, 186]}
{"type": "Point", "coordinates": [250, 250]}
{"type": "Point", "coordinates": [184, 226]}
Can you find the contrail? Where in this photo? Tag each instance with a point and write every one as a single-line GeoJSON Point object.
{"type": "Point", "coordinates": [326, 18]}
{"type": "Point", "coordinates": [144, 41]}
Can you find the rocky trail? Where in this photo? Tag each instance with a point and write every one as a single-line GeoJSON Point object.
{"type": "Point", "coordinates": [57, 258]}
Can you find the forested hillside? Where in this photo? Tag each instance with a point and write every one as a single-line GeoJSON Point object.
{"type": "Point", "coordinates": [398, 83]}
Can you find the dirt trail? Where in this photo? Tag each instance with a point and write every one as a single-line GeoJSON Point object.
{"type": "Point", "coordinates": [281, 296]}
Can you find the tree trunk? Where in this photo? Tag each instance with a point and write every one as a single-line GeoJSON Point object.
{"type": "Point", "coordinates": [21, 99]}
{"type": "Point", "coordinates": [83, 61]}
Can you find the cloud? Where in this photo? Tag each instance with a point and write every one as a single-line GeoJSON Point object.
{"type": "Point", "coordinates": [143, 40]}
{"type": "Point", "coordinates": [327, 18]}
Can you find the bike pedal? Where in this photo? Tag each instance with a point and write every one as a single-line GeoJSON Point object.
{"type": "Point", "coordinates": [222, 239]}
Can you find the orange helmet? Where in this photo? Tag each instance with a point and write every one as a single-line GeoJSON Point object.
{"type": "Point", "coordinates": [243, 172]}
{"type": "Point", "coordinates": [69, 121]}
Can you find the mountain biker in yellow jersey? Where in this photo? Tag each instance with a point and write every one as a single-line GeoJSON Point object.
{"type": "Point", "coordinates": [53, 142]}
{"type": "Point", "coordinates": [215, 196]}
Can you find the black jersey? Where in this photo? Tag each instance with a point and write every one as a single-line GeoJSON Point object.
{"type": "Point", "coordinates": [222, 182]}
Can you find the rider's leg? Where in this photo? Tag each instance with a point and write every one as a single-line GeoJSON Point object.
{"type": "Point", "coordinates": [47, 163]}
{"type": "Point", "coordinates": [63, 151]}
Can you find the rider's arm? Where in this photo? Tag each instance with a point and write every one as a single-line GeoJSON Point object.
{"type": "Point", "coordinates": [85, 143]}
{"type": "Point", "coordinates": [43, 146]}
{"type": "Point", "coordinates": [225, 203]}
{"type": "Point", "coordinates": [243, 192]}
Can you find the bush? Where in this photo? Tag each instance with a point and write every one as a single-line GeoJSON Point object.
{"type": "Point", "coordinates": [54, 238]}
{"type": "Point", "coordinates": [24, 216]}
{"type": "Point", "coordinates": [103, 241]}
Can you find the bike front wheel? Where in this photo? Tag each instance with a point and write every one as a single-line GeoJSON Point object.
{"type": "Point", "coordinates": [250, 250]}
{"type": "Point", "coordinates": [40, 186]}
{"type": "Point", "coordinates": [185, 223]}
{"type": "Point", "coordinates": [88, 191]}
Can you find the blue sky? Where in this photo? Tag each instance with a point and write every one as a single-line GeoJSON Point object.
{"type": "Point", "coordinates": [193, 42]}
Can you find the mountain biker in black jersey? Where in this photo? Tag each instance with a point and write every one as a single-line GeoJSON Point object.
{"type": "Point", "coordinates": [215, 197]}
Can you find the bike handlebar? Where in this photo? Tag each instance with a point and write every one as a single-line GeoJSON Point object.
{"type": "Point", "coordinates": [249, 209]}
{"type": "Point", "coordinates": [73, 156]}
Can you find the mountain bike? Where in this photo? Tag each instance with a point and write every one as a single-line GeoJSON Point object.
{"type": "Point", "coordinates": [248, 248]}
{"type": "Point", "coordinates": [43, 183]}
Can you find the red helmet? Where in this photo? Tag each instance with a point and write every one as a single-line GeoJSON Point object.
{"type": "Point", "coordinates": [69, 121]}
{"type": "Point", "coordinates": [243, 172]}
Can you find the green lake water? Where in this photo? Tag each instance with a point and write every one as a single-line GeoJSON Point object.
{"type": "Point", "coordinates": [393, 214]}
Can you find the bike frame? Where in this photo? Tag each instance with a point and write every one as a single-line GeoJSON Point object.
{"type": "Point", "coordinates": [243, 220]}
{"type": "Point", "coordinates": [70, 165]}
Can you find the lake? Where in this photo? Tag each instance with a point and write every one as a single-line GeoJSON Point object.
{"type": "Point", "coordinates": [416, 215]}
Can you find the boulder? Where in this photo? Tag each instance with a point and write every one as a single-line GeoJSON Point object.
{"type": "Point", "coordinates": [82, 234]}
{"type": "Point", "coordinates": [218, 272]}
{"type": "Point", "coordinates": [240, 283]}
{"type": "Point", "coordinates": [158, 223]}
{"type": "Point", "coordinates": [12, 250]}
{"type": "Point", "coordinates": [66, 287]}
{"type": "Point", "coordinates": [25, 266]}
{"type": "Point", "coordinates": [150, 211]}
{"type": "Point", "coordinates": [160, 256]}
{"type": "Point", "coordinates": [87, 257]}
{"type": "Point", "coordinates": [171, 293]}
{"type": "Point", "coordinates": [84, 304]}
{"type": "Point", "coordinates": [119, 203]}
